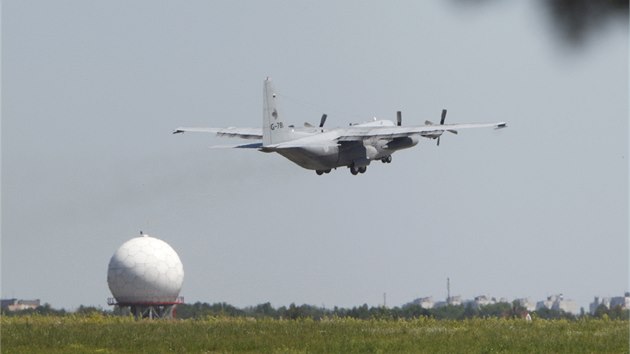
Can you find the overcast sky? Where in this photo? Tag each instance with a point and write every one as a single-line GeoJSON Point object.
{"type": "Point", "coordinates": [91, 91]}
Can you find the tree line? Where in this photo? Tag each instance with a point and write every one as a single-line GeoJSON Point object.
{"type": "Point", "coordinates": [201, 310]}
{"type": "Point", "coordinates": [409, 311]}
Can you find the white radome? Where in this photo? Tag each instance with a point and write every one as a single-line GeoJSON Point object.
{"type": "Point", "coordinates": [145, 270]}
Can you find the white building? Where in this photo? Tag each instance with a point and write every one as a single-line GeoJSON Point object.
{"type": "Point", "coordinates": [424, 302]}
{"type": "Point", "coordinates": [482, 300]}
{"type": "Point", "coordinates": [527, 304]}
{"type": "Point", "coordinates": [557, 302]}
{"type": "Point", "coordinates": [454, 300]}
{"type": "Point", "coordinates": [19, 305]}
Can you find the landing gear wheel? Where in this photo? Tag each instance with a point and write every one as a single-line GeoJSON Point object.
{"type": "Point", "coordinates": [327, 171]}
{"type": "Point", "coordinates": [388, 159]}
{"type": "Point", "coordinates": [362, 169]}
{"type": "Point", "coordinates": [354, 170]}
{"type": "Point", "coordinates": [319, 172]}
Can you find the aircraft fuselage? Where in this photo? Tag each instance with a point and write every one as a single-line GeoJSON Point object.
{"type": "Point", "coordinates": [353, 154]}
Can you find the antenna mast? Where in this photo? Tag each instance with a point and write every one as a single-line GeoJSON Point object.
{"type": "Point", "coordinates": [448, 290]}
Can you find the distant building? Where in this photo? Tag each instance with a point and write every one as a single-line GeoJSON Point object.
{"type": "Point", "coordinates": [597, 302]}
{"type": "Point", "coordinates": [428, 303]}
{"type": "Point", "coordinates": [553, 302]}
{"type": "Point", "coordinates": [482, 300]}
{"type": "Point", "coordinates": [623, 301]}
{"type": "Point", "coordinates": [424, 302]}
{"type": "Point", "coordinates": [558, 303]}
{"type": "Point", "coordinates": [527, 304]}
{"type": "Point", "coordinates": [454, 300]}
{"type": "Point", "coordinates": [610, 302]}
{"type": "Point", "coordinates": [19, 305]}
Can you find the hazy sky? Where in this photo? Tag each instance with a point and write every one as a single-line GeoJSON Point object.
{"type": "Point", "coordinates": [91, 91]}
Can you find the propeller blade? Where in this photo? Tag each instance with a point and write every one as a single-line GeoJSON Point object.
{"type": "Point", "coordinates": [399, 118]}
{"type": "Point", "coordinates": [321, 123]}
{"type": "Point", "coordinates": [452, 131]}
{"type": "Point", "coordinates": [308, 125]}
{"type": "Point", "coordinates": [443, 118]}
{"type": "Point", "coordinates": [428, 122]}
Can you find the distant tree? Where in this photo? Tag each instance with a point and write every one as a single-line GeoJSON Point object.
{"type": "Point", "coordinates": [550, 314]}
{"type": "Point", "coordinates": [470, 311]}
{"type": "Point", "coordinates": [499, 310]}
{"type": "Point", "coordinates": [303, 311]}
{"type": "Point", "coordinates": [600, 311]}
{"type": "Point", "coordinates": [202, 310]}
{"type": "Point", "coordinates": [618, 313]}
{"type": "Point", "coordinates": [47, 310]}
{"type": "Point", "coordinates": [381, 313]}
{"type": "Point", "coordinates": [518, 310]}
{"type": "Point", "coordinates": [263, 310]}
{"type": "Point", "coordinates": [89, 310]}
{"type": "Point", "coordinates": [125, 311]}
{"type": "Point", "coordinates": [449, 312]}
{"type": "Point", "coordinates": [361, 312]}
{"type": "Point", "coordinates": [414, 311]}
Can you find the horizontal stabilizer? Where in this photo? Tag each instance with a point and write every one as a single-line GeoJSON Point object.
{"type": "Point", "coordinates": [299, 145]}
{"type": "Point", "coordinates": [194, 130]}
{"type": "Point", "coordinates": [232, 132]}
{"type": "Point", "coordinates": [243, 146]}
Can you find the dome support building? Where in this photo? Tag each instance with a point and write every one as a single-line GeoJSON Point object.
{"type": "Point", "coordinates": [155, 310]}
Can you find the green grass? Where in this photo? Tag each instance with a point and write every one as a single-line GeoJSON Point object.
{"type": "Point", "coordinates": [99, 334]}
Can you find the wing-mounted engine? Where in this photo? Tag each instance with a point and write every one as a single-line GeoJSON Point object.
{"type": "Point", "coordinates": [436, 134]}
{"type": "Point", "coordinates": [402, 143]}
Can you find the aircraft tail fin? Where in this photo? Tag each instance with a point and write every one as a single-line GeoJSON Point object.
{"type": "Point", "coordinates": [275, 129]}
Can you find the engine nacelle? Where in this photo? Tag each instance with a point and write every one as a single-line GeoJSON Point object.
{"type": "Point", "coordinates": [403, 143]}
{"type": "Point", "coordinates": [433, 135]}
{"type": "Point", "coordinates": [371, 152]}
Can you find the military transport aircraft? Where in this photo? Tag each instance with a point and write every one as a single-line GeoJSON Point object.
{"type": "Point", "coordinates": [319, 149]}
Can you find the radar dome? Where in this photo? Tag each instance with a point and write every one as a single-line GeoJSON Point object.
{"type": "Point", "coordinates": [145, 270]}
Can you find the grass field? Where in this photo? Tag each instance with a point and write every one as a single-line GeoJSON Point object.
{"type": "Point", "coordinates": [100, 334]}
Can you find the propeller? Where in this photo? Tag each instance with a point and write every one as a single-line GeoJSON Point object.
{"type": "Point", "coordinates": [441, 123]}
{"type": "Point", "coordinates": [443, 118]}
{"type": "Point", "coordinates": [323, 120]}
{"type": "Point", "coordinates": [399, 118]}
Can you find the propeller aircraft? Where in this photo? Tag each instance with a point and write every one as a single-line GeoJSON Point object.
{"type": "Point", "coordinates": [316, 148]}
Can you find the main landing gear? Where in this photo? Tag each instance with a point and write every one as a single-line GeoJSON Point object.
{"type": "Point", "coordinates": [387, 159]}
{"type": "Point", "coordinates": [321, 172]}
{"type": "Point", "coordinates": [356, 170]}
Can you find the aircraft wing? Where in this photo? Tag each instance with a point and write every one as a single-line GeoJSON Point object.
{"type": "Point", "coordinates": [388, 132]}
{"type": "Point", "coordinates": [232, 132]}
